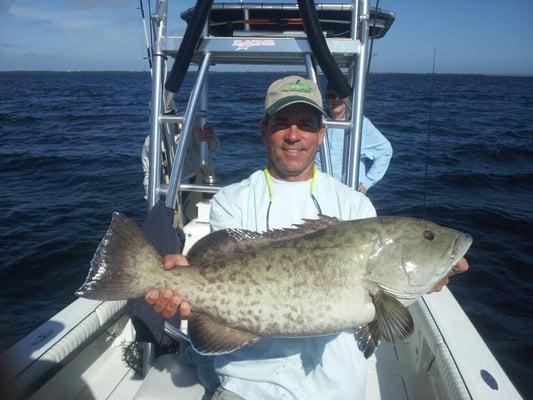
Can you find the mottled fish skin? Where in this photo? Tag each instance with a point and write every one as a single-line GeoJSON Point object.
{"type": "Point", "coordinates": [297, 287]}
{"type": "Point", "coordinates": [313, 280]}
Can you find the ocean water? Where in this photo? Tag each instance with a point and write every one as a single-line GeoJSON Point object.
{"type": "Point", "coordinates": [70, 147]}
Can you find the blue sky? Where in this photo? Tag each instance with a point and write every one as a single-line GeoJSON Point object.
{"type": "Point", "coordinates": [470, 36]}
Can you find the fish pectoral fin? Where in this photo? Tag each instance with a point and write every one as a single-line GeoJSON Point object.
{"type": "Point", "coordinates": [393, 321]}
{"type": "Point", "coordinates": [211, 338]}
{"type": "Point", "coordinates": [393, 318]}
{"type": "Point", "coordinates": [367, 337]}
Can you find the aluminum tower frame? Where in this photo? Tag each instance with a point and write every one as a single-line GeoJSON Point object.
{"type": "Point", "coordinates": [351, 54]}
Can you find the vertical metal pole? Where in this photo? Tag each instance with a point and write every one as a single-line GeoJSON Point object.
{"type": "Point", "coordinates": [204, 146]}
{"type": "Point", "coordinates": [325, 155]}
{"type": "Point", "coordinates": [311, 73]}
{"type": "Point", "coordinates": [146, 44]}
{"type": "Point", "coordinates": [347, 132]}
{"type": "Point", "coordinates": [156, 106]}
{"type": "Point", "coordinates": [155, 136]}
{"type": "Point", "coordinates": [358, 101]}
{"type": "Point", "coordinates": [246, 18]}
{"type": "Point", "coordinates": [355, 21]}
{"type": "Point", "coordinates": [169, 130]}
{"type": "Point", "coordinates": [175, 177]}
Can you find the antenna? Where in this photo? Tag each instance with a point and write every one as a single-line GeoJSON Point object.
{"type": "Point", "coordinates": [428, 135]}
{"type": "Point", "coordinates": [371, 46]}
{"type": "Point", "coordinates": [146, 44]}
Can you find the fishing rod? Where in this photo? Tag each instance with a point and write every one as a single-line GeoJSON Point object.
{"type": "Point", "coordinates": [429, 134]}
{"type": "Point", "coordinates": [371, 46]}
{"type": "Point", "coordinates": [146, 44]}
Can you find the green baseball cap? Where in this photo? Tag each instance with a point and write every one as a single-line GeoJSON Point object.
{"type": "Point", "coordinates": [292, 90]}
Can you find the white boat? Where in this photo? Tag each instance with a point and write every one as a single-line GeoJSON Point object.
{"type": "Point", "coordinates": [79, 353]}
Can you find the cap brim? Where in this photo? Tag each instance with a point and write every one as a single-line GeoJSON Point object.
{"type": "Point", "coordinates": [287, 101]}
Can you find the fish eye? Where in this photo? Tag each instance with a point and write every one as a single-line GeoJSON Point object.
{"type": "Point", "coordinates": [429, 235]}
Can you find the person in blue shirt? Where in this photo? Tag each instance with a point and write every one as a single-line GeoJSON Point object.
{"type": "Point", "coordinates": [376, 150]}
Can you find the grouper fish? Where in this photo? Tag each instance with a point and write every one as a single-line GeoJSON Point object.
{"type": "Point", "coordinates": [321, 277]}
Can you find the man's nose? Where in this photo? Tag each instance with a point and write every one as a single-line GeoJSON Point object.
{"type": "Point", "coordinates": [293, 133]}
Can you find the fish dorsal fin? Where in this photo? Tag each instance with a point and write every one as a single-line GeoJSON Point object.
{"type": "Point", "coordinates": [229, 243]}
{"type": "Point", "coordinates": [393, 321]}
{"type": "Point", "coordinates": [211, 338]}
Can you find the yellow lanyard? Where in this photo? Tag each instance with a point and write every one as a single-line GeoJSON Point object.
{"type": "Point", "coordinates": [271, 194]}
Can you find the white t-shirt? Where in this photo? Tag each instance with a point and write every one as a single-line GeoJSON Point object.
{"type": "Point", "coordinates": [326, 367]}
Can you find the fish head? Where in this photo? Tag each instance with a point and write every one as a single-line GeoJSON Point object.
{"type": "Point", "coordinates": [412, 255]}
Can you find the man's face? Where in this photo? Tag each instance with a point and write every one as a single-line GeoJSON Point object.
{"type": "Point", "coordinates": [292, 136]}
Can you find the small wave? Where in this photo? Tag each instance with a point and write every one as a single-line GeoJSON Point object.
{"type": "Point", "coordinates": [477, 180]}
{"type": "Point", "coordinates": [39, 160]}
{"type": "Point", "coordinates": [485, 154]}
{"type": "Point", "coordinates": [23, 161]}
{"type": "Point", "coordinates": [506, 153]}
{"type": "Point", "coordinates": [17, 118]}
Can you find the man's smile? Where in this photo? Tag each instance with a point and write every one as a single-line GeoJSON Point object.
{"type": "Point", "coordinates": [293, 149]}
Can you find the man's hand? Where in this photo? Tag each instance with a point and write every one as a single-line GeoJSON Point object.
{"type": "Point", "coordinates": [461, 266]}
{"type": "Point", "coordinates": [362, 188]}
{"type": "Point", "coordinates": [167, 303]}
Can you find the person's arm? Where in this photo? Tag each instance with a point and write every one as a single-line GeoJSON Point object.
{"type": "Point", "coordinates": [354, 205]}
{"type": "Point", "coordinates": [377, 149]}
{"type": "Point", "coordinates": [207, 134]}
{"type": "Point", "coordinates": [366, 209]}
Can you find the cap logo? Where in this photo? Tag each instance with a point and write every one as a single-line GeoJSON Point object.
{"type": "Point", "coordinates": [297, 86]}
{"type": "Point", "coordinates": [292, 90]}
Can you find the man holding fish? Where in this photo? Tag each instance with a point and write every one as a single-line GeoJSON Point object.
{"type": "Point", "coordinates": [287, 192]}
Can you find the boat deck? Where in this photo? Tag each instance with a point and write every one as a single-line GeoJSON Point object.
{"type": "Point", "coordinates": [395, 371]}
{"type": "Point", "coordinates": [78, 354]}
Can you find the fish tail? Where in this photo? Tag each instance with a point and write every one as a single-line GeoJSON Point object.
{"type": "Point", "coordinates": [124, 265]}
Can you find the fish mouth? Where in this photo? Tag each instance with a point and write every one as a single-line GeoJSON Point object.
{"type": "Point", "coordinates": [460, 246]}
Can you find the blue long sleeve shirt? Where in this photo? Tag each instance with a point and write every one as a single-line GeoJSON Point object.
{"type": "Point", "coordinates": [376, 153]}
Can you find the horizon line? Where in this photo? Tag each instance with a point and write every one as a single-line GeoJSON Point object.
{"type": "Point", "coordinates": [266, 71]}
